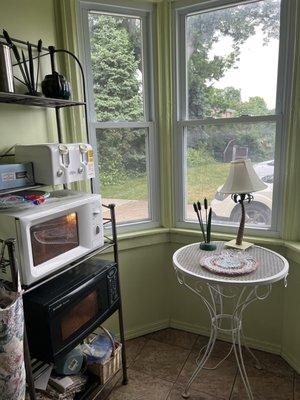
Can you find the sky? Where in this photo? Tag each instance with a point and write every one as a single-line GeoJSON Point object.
{"type": "Point", "coordinates": [256, 74]}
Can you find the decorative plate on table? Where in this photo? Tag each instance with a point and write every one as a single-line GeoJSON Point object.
{"type": "Point", "coordinates": [229, 262]}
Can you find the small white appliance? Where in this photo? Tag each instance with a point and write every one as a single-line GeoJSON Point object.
{"type": "Point", "coordinates": [56, 163]}
{"type": "Point", "coordinates": [50, 236]}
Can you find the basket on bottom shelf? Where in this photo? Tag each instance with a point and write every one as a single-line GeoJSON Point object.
{"type": "Point", "coordinates": [103, 364]}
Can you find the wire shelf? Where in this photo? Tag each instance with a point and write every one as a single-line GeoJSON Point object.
{"type": "Point", "coordinates": [19, 189]}
{"type": "Point", "coordinates": [25, 99]}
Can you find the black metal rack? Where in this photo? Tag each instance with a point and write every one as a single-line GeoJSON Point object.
{"type": "Point", "coordinates": [57, 104]}
{"type": "Point", "coordinates": [13, 98]}
{"type": "Point", "coordinates": [110, 242]}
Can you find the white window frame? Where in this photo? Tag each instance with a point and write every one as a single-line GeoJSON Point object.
{"type": "Point", "coordinates": [181, 122]}
{"type": "Point", "coordinates": [145, 12]}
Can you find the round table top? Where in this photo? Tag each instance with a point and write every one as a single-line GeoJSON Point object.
{"type": "Point", "coordinates": [272, 266]}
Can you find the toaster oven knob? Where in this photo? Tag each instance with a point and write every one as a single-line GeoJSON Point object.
{"type": "Point", "coordinates": [80, 170]}
{"type": "Point", "coordinates": [63, 149]}
{"type": "Point", "coordinates": [83, 148]}
{"type": "Point", "coordinates": [97, 230]}
{"type": "Point", "coordinates": [60, 172]}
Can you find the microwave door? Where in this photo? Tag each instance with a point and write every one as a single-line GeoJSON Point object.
{"type": "Point", "coordinates": [54, 237]}
{"type": "Point", "coordinates": [76, 315]}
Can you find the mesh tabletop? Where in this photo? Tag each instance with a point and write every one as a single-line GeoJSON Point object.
{"type": "Point", "coordinates": [272, 267]}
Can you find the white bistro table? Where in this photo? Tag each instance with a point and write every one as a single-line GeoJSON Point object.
{"type": "Point", "coordinates": [239, 291]}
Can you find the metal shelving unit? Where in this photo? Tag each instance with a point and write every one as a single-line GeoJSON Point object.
{"type": "Point", "coordinates": [110, 242]}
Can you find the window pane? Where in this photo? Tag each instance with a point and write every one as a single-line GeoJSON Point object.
{"type": "Point", "coordinates": [117, 66]}
{"type": "Point", "coordinates": [209, 150]}
{"type": "Point", "coordinates": [232, 59]}
{"type": "Point", "coordinates": [123, 171]}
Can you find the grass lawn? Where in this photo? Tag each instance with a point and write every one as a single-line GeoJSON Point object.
{"type": "Point", "coordinates": [202, 182]}
{"type": "Point", "coordinates": [129, 189]}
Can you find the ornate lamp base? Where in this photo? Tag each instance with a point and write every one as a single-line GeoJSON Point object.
{"type": "Point", "coordinates": [243, 246]}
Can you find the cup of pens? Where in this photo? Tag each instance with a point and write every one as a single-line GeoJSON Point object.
{"type": "Point", "coordinates": [205, 226]}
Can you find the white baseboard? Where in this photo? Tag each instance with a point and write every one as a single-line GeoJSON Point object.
{"type": "Point", "coordinates": [201, 330]}
{"type": "Point", "coordinates": [148, 328]}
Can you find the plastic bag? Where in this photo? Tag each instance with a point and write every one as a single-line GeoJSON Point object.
{"type": "Point", "coordinates": [99, 350]}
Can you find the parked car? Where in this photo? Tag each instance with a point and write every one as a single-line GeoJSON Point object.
{"type": "Point", "coordinates": [258, 212]}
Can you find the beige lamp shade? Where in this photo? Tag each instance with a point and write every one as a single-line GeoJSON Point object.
{"type": "Point", "coordinates": [242, 178]}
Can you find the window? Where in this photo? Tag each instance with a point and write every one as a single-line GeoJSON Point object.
{"type": "Point", "coordinates": [230, 103]}
{"type": "Point", "coordinates": [120, 89]}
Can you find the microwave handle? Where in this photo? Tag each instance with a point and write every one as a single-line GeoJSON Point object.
{"type": "Point", "coordinates": [65, 299]}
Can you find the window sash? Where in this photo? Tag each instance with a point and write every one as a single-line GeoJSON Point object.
{"type": "Point", "coordinates": [145, 13]}
{"type": "Point", "coordinates": [181, 200]}
{"type": "Point", "coordinates": [180, 11]}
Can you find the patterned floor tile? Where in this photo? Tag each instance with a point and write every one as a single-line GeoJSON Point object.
{"type": "Point", "coordinates": [217, 382]}
{"type": "Point", "coordinates": [141, 387]}
{"type": "Point", "coordinates": [297, 387]}
{"type": "Point", "coordinates": [161, 360]}
{"type": "Point", "coordinates": [265, 386]}
{"type": "Point", "coordinates": [270, 362]}
{"type": "Point", "coordinates": [220, 350]}
{"type": "Point", "coordinates": [177, 390]}
{"type": "Point", "coordinates": [161, 364]}
{"type": "Point", "coordinates": [175, 337]}
{"type": "Point", "coordinates": [133, 348]}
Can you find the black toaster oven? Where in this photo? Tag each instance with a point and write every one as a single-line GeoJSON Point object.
{"type": "Point", "coordinates": [63, 311]}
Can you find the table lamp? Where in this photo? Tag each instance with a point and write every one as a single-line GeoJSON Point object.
{"type": "Point", "coordinates": [241, 182]}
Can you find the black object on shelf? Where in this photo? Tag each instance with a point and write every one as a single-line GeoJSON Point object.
{"type": "Point", "coordinates": [55, 85]}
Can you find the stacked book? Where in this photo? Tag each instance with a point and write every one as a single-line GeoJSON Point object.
{"type": "Point", "coordinates": [63, 388]}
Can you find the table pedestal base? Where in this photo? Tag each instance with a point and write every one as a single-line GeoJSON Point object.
{"type": "Point", "coordinates": [229, 324]}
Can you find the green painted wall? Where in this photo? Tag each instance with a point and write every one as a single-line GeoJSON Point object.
{"type": "Point", "coordinates": [27, 20]}
{"type": "Point", "coordinates": [145, 290]}
{"type": "Point", "coordinates": [291, 317]}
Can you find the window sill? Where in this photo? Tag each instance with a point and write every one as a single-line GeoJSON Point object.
{"type": "Point", "coordinates": [155, 236]}
{"type": "Point", "coordinates": [142, 238]}
{"type": "Point", "coordinates": [179, 235]}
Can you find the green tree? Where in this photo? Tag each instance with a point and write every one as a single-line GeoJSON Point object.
{"type": "Point", "coordinates": [206, 29]}
{"type": "Point", "coordinates": [115, 70]}
{"type": "Point", "coordinates": [254, 106]}
{"type": "Point", "coordinates": [115, 56]}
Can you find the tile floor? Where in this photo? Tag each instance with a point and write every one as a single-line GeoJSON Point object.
{"type": "Point", "coordinates": [159, 365]}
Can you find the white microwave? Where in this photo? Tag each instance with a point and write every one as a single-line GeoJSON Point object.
{"type": "Point", "coordinates": [52, 235]}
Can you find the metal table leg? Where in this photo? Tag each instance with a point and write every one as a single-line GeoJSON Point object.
{"type": "Point", "coordinates": [213, 300]}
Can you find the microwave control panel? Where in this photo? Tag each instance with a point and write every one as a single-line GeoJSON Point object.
{"type": "Point", "coordinates": [113, 287]}
{"type": "Point", "coordinates": [97, 225]}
